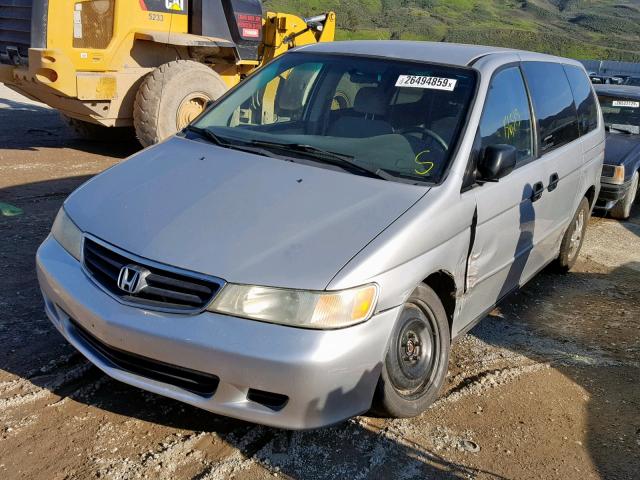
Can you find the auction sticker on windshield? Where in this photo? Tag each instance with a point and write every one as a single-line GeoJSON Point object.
{"type": "Point", "coordinates": [626, 103]}
{"type": "Point", "coordinates": [420, 81]}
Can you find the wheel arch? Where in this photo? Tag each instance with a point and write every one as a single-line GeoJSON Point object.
{"type": "Point", "coordinates": [590, 195]}
{"type": "Point", "coordinates": [444, 285]}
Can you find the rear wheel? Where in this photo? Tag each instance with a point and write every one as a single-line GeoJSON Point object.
{"type": "Point", "coordinates": [171, 97]}
{"type": "Point", "coordinates": [622, 209]}
{"type": "Point", "coordinates": [573, 238]}
{"type": "Point", "coordinates": [417, 359]}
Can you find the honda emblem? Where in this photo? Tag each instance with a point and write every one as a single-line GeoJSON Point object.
{"type": "Point", "coordinates": [132, 279]}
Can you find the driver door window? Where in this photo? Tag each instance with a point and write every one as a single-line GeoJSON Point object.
{"type": "Point", "coordinates": [507, 118]}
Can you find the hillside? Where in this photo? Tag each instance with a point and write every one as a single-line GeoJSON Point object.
{"type": "Point", "coordinates": [597, 29]}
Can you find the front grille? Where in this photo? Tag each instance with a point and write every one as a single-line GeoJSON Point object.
{"type": "Point", "coordinates": [15, 31]}
{"type": "Point", "coordinates": [164, 289]}
{"type": "Point", "coordinates": [200, 383]}
{"type": "Point", "coordinates": [93, 24]}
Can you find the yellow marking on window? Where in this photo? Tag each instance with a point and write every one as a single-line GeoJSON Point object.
{"type": "Point", "coordinates": [427, 166]}
{"type": "Point", "coordinates": [511, 124]}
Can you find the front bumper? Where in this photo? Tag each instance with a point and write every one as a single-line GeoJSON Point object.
{"type": "Point", "coordinates": [48, 71]}
{"type": "Point", "coordinates": [611, 193]}
{"type": "Point", "coordinates": [328, 375]}
{"type": "Point", "coordinates": [99, 96]}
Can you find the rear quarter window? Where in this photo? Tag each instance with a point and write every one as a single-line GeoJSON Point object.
{"type": "Point", "coordinates": [584, 97]}
{"type": "Point", "coordinates": [553, 104]}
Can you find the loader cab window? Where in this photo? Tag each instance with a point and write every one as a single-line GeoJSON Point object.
{"type": "Point", "coordinates": [394, 120]}
{"type": "Point", "coordinates": [281, 100]}
{"type": "Point", "coordinates": [348, 87]}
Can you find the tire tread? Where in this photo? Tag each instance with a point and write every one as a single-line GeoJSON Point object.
{"type": "Point", "coordinates": [147, 108]}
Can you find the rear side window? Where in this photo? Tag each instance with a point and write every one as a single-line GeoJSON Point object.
{"type": "Point", "coordinates": [584, 97]}
{"type": "Point", "coordinates": [553, 104]}
{"type": "Point", "coordinates": [506, 118]}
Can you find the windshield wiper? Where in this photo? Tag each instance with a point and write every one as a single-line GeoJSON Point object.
{"type": "Point", "coordinates": [217, 140]}
{"type": "Point", "coordinates": [208, 134]}
{"type": "Point", "coordinates": [301, 147]}
{"type": "Point", "coordinates": [397, 176]}
{"type": "Point", "coordinates": [341, 160]}
{"type": "Point", "coordinates": [619, 129]}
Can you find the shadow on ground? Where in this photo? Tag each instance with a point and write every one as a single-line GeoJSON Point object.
{"type": "Point", "coordinates": [633, 223]}
{"type": "Point", "coordinates": [33, 127]}
{"type": "Point", "coordinates": [354, 449]}
{"type": "Point", "coordinates": [599, 350]}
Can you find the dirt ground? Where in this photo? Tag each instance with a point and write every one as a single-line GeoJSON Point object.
{"type": "Point", "coordinates": [548, 386]}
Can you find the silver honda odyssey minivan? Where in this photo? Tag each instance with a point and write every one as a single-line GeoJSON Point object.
{"type": "Point", "coordinates": [310, 246]}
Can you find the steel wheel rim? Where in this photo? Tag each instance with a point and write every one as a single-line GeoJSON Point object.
{"type": "Point", "coordinates": [576, 235]}
{"type": "Point", "coordinates": [415, 349]}
{"type": "Point", "coordinates": [190, 107]}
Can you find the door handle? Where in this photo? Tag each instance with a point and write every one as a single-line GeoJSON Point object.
{"type": "Point", "coordinates": [553, 182]}
{"type": "Point", "coordinates": [538, 190]}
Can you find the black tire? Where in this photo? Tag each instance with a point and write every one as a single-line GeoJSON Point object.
{"type": "Point", "coordinates": [622, 209]}
{"type": "Point", "coordinates": [165, 93]}
{"type": "Point", "coordinates": [413, 372]}
{"type": "Point", "coordinates": [573, 239]}
{"type": "Point", "coordinates": [99, 133]}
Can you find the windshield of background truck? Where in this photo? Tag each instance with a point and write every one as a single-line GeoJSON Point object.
{"type": "Point", "coordinates": [399, 118]}
{"type": "Point", "coordinates": [621, 112]}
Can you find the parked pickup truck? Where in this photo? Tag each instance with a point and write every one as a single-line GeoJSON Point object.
{"type": "Point", "coordinates": [621, 110]}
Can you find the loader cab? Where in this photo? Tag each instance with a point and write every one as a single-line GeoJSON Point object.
{"type": "Point", "coordinates": [235, 21]}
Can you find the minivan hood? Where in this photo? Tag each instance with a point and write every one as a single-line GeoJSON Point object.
{"type": "Point", "coordinates": [238, 216]}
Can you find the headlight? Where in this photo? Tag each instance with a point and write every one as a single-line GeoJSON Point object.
{"type": "Point", "coordinates": [67, 234]}
{"type": "Point", "coordinates": [300, 308]}
{"type": "Point", "coordinates": [618, 174]}
{"type": "Point", "coordinates": [613, 173]}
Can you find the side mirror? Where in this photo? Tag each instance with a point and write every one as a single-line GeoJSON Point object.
{"type": "Point", "coordinates": [498, 161]}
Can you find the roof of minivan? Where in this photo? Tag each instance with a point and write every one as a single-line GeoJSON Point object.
{"type": "Point", "coordinates": [436, 52]}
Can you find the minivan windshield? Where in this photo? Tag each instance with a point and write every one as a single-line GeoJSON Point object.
{"type": "Point", "coordinates": [621, 115]}
{"type": "Point", "coordinates": [395, 120]}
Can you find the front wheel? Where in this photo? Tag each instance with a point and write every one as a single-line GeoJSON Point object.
{"type": "Point", "coordinates": [417, 357]}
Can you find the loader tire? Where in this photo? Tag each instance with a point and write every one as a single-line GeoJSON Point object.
{"type": "Point", "coordinates": [99, 133]}
{"type": "Point", "coordinates": [171, 97]}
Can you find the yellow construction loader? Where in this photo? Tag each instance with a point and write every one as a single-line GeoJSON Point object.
{"type": "Point", "coordinates": [109, 65]}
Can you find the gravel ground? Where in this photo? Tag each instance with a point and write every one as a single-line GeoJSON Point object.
{"type": "Point", "coordinates": [545, 387]}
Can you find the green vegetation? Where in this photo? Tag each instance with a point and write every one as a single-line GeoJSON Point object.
{"type": "Point", "coordinates": [597, 29]}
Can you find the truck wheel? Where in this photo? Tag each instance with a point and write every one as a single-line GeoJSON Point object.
{"type": "Point", "coordinates": [98, 133]}
{"type": "Point", "coordinates": [417, 358]}
{"type": "Point", "coordinates": [573, 238]}
{"type": "Point", "coordinates": [172, 96]}
{"type": "Point", "coordinates": [622, 209]}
